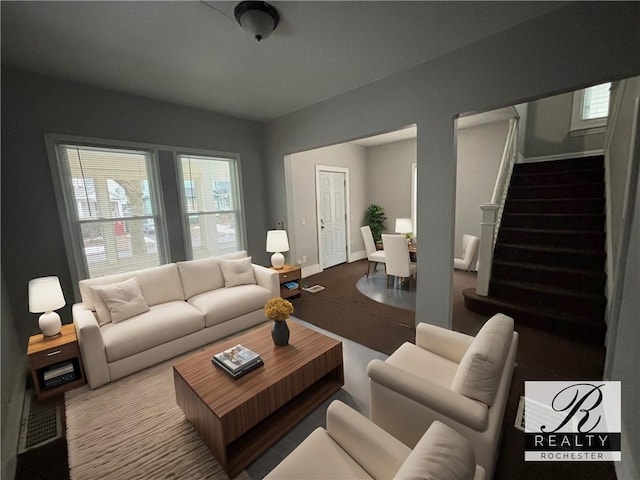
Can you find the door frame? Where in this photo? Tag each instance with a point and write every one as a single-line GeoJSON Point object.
{"type": "Point", "coordinates": [347, 209]}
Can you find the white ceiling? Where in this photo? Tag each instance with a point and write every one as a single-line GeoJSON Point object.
{"type": "Point", "coordinates": [194, 53]}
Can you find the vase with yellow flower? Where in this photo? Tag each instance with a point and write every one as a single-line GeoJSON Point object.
{"type": "Point", "coordinates": [278, 309]}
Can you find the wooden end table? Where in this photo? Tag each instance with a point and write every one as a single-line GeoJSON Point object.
{"type": "Point", "coordinates": [45, 353]}
{"type": "Point", "coordinates": [289, 273]}
{"type": "Point", "coordinates": [240, 419]}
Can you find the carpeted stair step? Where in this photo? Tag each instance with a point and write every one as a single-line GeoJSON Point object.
{"type": "Point", "coordinates": [588, 240]}
{"type": "Point", "coordinates": [587, 190]}
{"type": "Point", "coordinates": [574, 165]}
{"type": "Point", "coordinates": [592, 175]}
{"type": "Point", "coordinates": [540, 296]}
{"type": "Point", "coordinates": [555, 205]}
{"type": "Point", "coordinates": [579, 280]}
{"type": "Point", "coordinates": [555, 221]}
{"type": "Point", "coordinates": [554, 321]}
{"type": "Point", "coordinates": [551, 256]}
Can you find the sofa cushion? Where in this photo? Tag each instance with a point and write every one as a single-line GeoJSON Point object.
{"type": "Point", "coordinates": [480, 369]}
{"type": "Point", "coordinates": [204, 275]}
{"type": "Point", "coordinates": [158, 284]}
{"type": "Point", "coordinates": [122, 300]}
{"type": "Point", "coordinates": [441, 453]}
{"type": "Point", "coordinates": [237, 272]}
{"type": "Point", "coordinates": [161, 324]}
{"type": "Point", "coordinates": [435, 369]}
{"type": "Point", "coordinates": [226, 303]}
{"type": "Point", "coordinates": [318, 457]}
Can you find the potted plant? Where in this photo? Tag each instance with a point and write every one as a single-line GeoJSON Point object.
{"type": "Point", "coordinates": [375, 217]}
{"type": "Point", "coordinates": [278, 309]}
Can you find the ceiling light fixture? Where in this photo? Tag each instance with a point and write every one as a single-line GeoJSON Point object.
{"type": "Point", "coordinates": [257, 18]}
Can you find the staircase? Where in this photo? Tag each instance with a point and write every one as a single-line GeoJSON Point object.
{"type": "Point", "coordinates": [549, 258]}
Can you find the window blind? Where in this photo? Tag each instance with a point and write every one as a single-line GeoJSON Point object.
{"type": "Point", "coordinates": [111, 206]}
{"type": "Point", "coordinates": [595, 103]}
{"type": "Point", "coordinates": [211, 204]}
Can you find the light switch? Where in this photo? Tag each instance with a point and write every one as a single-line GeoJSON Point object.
{"type": "Point", "coordinates": [303, 221]}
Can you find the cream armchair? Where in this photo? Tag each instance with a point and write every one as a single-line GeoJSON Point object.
{"type": "Point", "coordinates": [470, 245]}
{"type": "Point", "coordinates": [352, 447]}
{"type": "Point", "coordinates": [451, 377]}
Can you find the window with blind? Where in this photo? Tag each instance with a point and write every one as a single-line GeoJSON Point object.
{"type": "Point", "coordinates": [111, 200]}
{"type": "Point", "coordinates": [590, 109]}
{"type": "Point", "coordinates": [211, 205]}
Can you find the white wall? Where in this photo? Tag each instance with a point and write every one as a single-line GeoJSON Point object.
{"type": "Point", "coordinates": [548, 129]}
{"type": "Point", "coordinates": [479, 152]}
{"type": "Point", "coordinates": [389, 179]}
{"type": "Point", "coordinates": [301, 190]}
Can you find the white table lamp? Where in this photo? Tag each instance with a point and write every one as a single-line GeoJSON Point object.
{"type": "Point", "coordinates": [45, 295]}
{"type": "Point", "coordinates": [277, 242]}
{"type": "Point", "coordinates": [404, 225]}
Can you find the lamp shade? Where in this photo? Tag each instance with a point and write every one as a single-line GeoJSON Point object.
{"type": "Point", "coordinates": [404, 225]}
{"type": "Point", "coordinates": [277, 241]}
{"type": "Point", "coordinates": [45, 295]}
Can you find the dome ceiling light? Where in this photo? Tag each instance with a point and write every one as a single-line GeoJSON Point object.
{"type": "Point", "coordinates": [257, 18]}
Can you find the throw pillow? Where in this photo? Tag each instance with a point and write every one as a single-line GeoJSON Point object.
{"type": "Point", "coordinates": [480, 369]}
{"type": "Point", "coordinates": [123, 300]}
{"type": "Point", "coordinates": [237, 272]}
{"type": "Point", "coordinates": [441, 453]}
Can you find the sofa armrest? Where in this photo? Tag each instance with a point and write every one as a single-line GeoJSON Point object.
{"type": "Point", "coordinates": [91, 345]}
{"type": "Point", "coordinates": [462, 409]}
{"type": "Point", "coordinates": [267, 278]}
{"type": "Point", "coordinates": [446, 343]}
{"type": "Point", "coordinates": [375, 450]}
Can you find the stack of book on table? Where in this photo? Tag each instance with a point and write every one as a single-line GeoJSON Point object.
{"type": "Point", "coordinates": [237, 361]}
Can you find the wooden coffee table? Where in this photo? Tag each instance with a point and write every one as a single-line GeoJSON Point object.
{"type": "Point", "coordinates": [239, 419]}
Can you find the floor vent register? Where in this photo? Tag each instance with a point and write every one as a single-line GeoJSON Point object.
{"type": "Point", "coordinates": [41, 423]}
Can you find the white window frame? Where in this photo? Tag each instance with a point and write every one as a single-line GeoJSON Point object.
{"type": "Point", "coordinates": [71, 227]}
{"type": "Point", "coordinates": [579, 125]}
{"type": "Point", "coordinates": [239, 210]}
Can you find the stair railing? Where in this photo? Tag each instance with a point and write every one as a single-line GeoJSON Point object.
{"type": "Point", "coordinates": [492, 212]}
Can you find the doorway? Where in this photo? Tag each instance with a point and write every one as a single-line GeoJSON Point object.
{"type": "Point", "coordinates": [331, 191]}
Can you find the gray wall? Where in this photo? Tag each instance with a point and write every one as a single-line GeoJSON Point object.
{"type": "Point", "coordinates": [548, 125]}
{"type": "Point", "coordinates": [541, 61]}
{"type": "Point", "coordinates": [14, 370]}
{"type": "Point", "coordinates": [479, 153]}
{"type": "Point", "coordinates": [301, 188]}
{"type": "Point", "coordinates": [389, 179]}
{"type": "Point", "coordinates": [623, 355]}
{"type": "Point", "coordinates": [537, 59]}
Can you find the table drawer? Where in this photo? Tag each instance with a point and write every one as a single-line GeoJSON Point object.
{"type": "Point", "coordinates": [290, 276]}
{"type": "Point", "coordinates": [54, 354]}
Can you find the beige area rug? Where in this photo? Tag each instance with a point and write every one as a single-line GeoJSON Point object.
{"type": "Point", "coordinates": [133, 428]}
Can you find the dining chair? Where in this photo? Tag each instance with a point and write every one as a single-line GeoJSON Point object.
{"type": "Point", "coordinates": [374, 256]}
{"type": "Point", "coordinates": [398, 263]}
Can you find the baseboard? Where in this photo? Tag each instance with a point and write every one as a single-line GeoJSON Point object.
{"type": "Point", "coordinates": [563, 156]}
{"type": "Point", "coordinates": [310, 270]}
{"type": "Point", "coordinates": [359, 255]}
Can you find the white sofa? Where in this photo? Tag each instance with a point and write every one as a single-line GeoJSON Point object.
{"type": "Point", "coordinates": [451, 377]}
{"type": "Point", "coordinates": [352, 447]}
{"type": "Point", "coordinates": [176, 307]}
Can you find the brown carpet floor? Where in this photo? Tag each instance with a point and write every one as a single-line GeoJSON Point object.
{"type": "Point", "coordinates": [342, 309]}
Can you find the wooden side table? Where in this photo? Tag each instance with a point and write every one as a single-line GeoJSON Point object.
{"type": "Point", "coordinates": [55, 362]}
{"type": "Point", "coordinates": [289, 273]}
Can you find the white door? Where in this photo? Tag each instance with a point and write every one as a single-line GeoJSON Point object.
{"type": "Point", "coordinates": [332, 218]}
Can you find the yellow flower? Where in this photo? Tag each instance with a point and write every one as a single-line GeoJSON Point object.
{"type": "Point", "coordinates": [278, 309]}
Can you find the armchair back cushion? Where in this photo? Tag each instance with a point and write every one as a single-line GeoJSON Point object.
{"type": "Point", "coordinates": [441, 453]}
{"type": "Point", "coordinates": [480, 369]}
